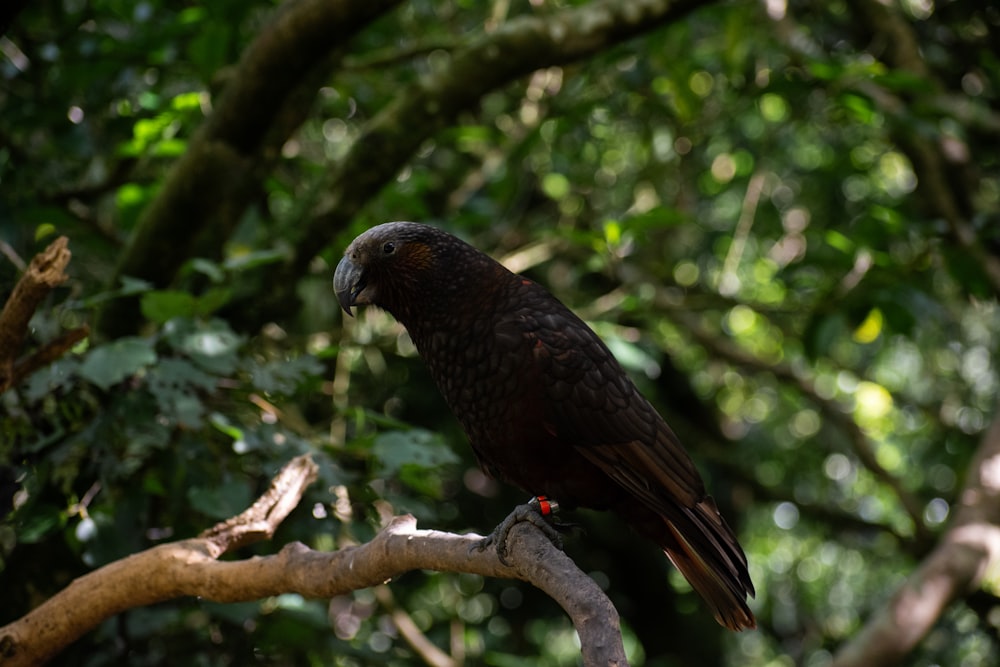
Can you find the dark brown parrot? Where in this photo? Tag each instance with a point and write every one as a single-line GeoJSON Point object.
{"type": "Point", "coordinates": [543, 401]}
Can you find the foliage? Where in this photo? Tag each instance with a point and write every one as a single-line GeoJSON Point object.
{"type": "Point", "coordinates": [782, 221]}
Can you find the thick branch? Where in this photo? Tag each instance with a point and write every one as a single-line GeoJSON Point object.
{"type": "Point", "coordinates": [46, 272]}
{"type": "Point", "coordinates": [157, 574]}
{"type": "Point", "coordinates": [489, 62]}
{"type": "Point", "coordinates": [190, 568]}
{"type": "Point", "coordinates": [953, 570]}
{"type": "Point", "coordinates": [209, 187]}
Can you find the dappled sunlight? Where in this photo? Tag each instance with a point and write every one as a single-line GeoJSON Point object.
{"type": "Point", "coordinates": [779, 217]}
{"type": "Point", "coordinates": [989, 475]}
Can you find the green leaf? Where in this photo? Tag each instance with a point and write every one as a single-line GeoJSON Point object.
{"type": "Point", "coordinates": [207, 268]}
{"type": "Point", "coordinates": [840, 241]}
{"type": "Point", "coordinates": [221, 422]}
{"type": "Point", "coordinates": [109, 364]}
{"type": "Point", "coordinates": [43, 230]}
{"type": "Point", "coordinates": [250, 260]}
{"type": "Point", "coordinates": [212, 300]}
{"type": "Point", "coordinates": [134, 286]}
{"type": "Point", "coordinates": [902, 81]}
{"type": "Point", "coordinates": [861, 107]}
{"type": "Point", "coordinates": [556, 186]}
{"type": "Point", "coordinates": [285, 375]}
{"type": "Point", "coordinates": [54, 377]}
{"type": "Point", "coordinates": [187, 101]}
{"type": "Point", "coordinates": [129, 286]}
{"type": "Point", "coordinates": [152, 484]}
{"type": "Point", "coordinates": [174, 384]}
{"type": "Point", "coordinates": [164, 305]}
{"type": "Point", "coordinates": [42, 521]}
{"type": "Point", "coordinates": [212, 345]}
{"type": "Point", "coordinates": [394, 449]}
{"type": "Point", "coordinates": [169, 148]}
{"type": "Point", "coordinates": [631, 356]}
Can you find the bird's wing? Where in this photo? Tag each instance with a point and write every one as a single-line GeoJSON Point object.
{"type": "Point", "coordinates": [594, 405]}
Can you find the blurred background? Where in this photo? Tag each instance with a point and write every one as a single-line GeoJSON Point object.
{"type": "Point", "coordinates": [783, 218]}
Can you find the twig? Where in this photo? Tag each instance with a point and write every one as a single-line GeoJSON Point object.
{"type": "Point", "coordinates": [417, 640]}
{"type": "Point", "coordinates": [48, 353]}
{"type": "Point", "coordinates": [392, 56]}
{"type": "Point", "coordinates": [729, 281]}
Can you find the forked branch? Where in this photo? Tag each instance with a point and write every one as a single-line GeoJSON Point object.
{"type": "Point", "coordinates": [191, 568]}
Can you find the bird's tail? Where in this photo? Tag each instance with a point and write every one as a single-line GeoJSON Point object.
{"type": "Point", "coordinates": [706, 552]}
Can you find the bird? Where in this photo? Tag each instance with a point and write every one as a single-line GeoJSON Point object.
{"type": "Point", "coordinates": [544, 403]}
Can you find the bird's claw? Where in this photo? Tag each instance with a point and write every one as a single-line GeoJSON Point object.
{"type": "Point", "coordinates": [538, 512]}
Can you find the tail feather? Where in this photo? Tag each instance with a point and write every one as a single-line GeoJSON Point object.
{"type": "Point", "coordinates": [707, 554]}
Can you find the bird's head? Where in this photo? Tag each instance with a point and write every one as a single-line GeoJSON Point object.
{"type": "Point", "coordinates": [399, 264]}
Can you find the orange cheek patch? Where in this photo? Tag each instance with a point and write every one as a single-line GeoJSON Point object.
{"type": "Point", "coordinates": [419, 255]}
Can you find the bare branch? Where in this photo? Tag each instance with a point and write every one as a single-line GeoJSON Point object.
{"type": "Point", "coordinates": [954, 568]}
{"type": "Point", "coordinates": [259, 521]}
{"type": "Point", "coordinates": [45, 272]}
{"type": "Point", "coordinates": [190, 568]}
{"type": "Point", "coordinates": [161, 573]}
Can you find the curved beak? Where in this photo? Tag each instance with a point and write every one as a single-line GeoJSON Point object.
{"type": "Point", "coordinates": [348, 281]}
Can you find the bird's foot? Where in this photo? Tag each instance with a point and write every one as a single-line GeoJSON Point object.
{"type": "Point", "coordinates": [539, 512]}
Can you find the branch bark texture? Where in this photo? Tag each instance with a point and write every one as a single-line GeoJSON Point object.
{"type": "Point", "coordinates": [46, 271]}
{"type": "Point", "coordinates": [191, 568]}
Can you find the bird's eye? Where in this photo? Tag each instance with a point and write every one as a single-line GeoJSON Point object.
{"type": "Point", "coordinates": [388, 248]}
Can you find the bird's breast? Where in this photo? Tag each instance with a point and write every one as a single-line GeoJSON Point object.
{"type": "Point", "coordinates": [490, 375]}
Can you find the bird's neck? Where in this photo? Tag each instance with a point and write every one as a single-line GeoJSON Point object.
{"type": "Point", "coordinates": [457, 310]}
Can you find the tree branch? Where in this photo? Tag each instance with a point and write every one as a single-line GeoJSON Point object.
{"type": "Point", "coordinates": [955, 568]}
{"type": "Point", "coordinates": [190, 568]}
{"type": "Point", "coordinates": [46, 354]}
{"type": "Point", "coordinates": [417, 640]}
{"type": "Point", "coordinates": [46, 271]}
{"type": "Point", "coordinates": [208, 188]}
{"type": "Point", "coordinates": [858, 439]}
{"type": "Point", "coordinates": [514, 50]}
{"type": "Point", "coordinates": [944, 182]}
